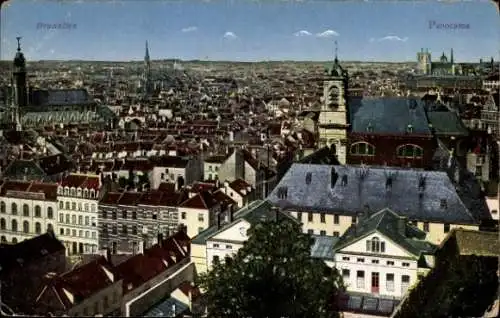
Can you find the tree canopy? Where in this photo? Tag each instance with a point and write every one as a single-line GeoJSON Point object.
{"type": "Point", "coordinates": [273, 275]}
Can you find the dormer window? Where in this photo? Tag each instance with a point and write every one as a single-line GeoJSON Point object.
{"type": "Point", "coordinates": [375, 245]}
{"type": "Point", "coordinates": [60, 190]}
{"type": "Point", "coordinates": [362, 149]}
{"type": "Point", "coordinates": [66, 191]}
{"type": "Point", "coordinates": [79, 192]}
{"type": "Point", "coordinates": [85, 193]}
{"type": "Point", "coordinates": [410, 151]}
{"type": "Point", "coordinates": [73, 192]}
{"type": "Point", "coordinates": [92, 193]}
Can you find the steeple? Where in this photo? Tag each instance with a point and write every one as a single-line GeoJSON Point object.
{"type": "Point", "coordinates": [336, 53]}
{"type": "Point", "coordinates": [19, 60]}
{"type": "Point", "coordinates": [146, 57]}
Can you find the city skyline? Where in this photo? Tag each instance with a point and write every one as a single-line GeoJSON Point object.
{"type": "Point", "coordinates": [250, 30]}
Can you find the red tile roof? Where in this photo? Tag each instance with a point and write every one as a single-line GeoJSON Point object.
{"type": "Point", "coordinates": [81, 181]}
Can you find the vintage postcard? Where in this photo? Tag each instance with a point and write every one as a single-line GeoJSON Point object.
{"type": "Point", "coordinates": [249, 158]}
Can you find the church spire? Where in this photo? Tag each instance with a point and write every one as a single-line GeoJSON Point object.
{"type": "Point", "coordinates": [146, 57]}
{"type": "Point", "coordinates": [336, 53]}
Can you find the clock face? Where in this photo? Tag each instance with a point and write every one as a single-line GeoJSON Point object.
{"type": "Point", "coordinates": [243, 231]}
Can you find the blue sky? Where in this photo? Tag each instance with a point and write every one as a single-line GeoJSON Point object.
{"type": "Point", "coordinates": [191, 29]}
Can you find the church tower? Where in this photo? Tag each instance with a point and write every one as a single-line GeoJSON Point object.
{"type": "Point", "coordinates": [147, 82]}
{"type": "Point", "coordinates": [20, 86]}
{"type": "Point", "coordinates": [333, 122]}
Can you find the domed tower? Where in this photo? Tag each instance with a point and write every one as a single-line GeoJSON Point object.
{"type": "Point", "coordinates": [333, 119]}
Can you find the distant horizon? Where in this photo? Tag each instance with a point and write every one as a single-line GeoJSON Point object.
{"type": "Point", "coordinates": [250, 31]}
{"type": "Point", "coordinates": [484, 59]}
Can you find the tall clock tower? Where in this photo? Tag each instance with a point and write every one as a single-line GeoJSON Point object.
{"type": "Point", "coordinates": [333, 122]}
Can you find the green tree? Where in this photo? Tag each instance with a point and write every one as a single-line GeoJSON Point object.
{"type": "Point", "coordinates": [273, 275]}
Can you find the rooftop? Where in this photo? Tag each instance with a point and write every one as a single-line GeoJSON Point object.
{"type": "Point", "coordinates": [424, 196]}
{"type": "Point", "coordinates": [389, 115]}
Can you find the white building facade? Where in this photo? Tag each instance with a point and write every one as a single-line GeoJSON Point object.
{"type": "Point", "coordinates": [78, 197]}
{"type": "Point", "coordinates": [25, 211]}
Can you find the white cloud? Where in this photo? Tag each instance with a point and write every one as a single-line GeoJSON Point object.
{"type": "Point", "coordinates": [302, 33]}
{"type": "Point", "coordinates": [229, 35]}
{"type": "Point", "coordinates": [389, 38]}
{"type": "Point", "coordinates": [327, 34]}
{"type": "Point", "coordinates": [189, 29]}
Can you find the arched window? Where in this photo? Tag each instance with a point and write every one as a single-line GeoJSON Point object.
{"type": "Point", "coordinates": [375, 245]}
{"type": "Point", "coordinates": [410, 151]}
{"type": "Point", "coordinates": [38, 228]}
{"type": "Point", "coordinates": [92, 192]}
{"type": "Point", "coordinates": [79, 192]}
{"type": "Point", "coordinates": [13, 209]}
{"type": "Point", "coordinates": [362, 149]}
{"type": "Point", "coordinates": [26, 227]}
{"type": "Point", "coordinates": [60, 190]}
{"type": "Point", "coordinates": [14, 226]}
{"type": "Point", "coordinates": [66, 191]}
{"type": "Point", "coordinates": [3, 224]}
{"type": "Point", "coordinates": [85, 193]}
{"type": "Point", "coordinates": [26, 210]}
{"type": "Point", "coordinates": [2, 207]}
{"type": "Point", "coordinates": [73, 192]}
{"type": "Point", "coordinates": [50, 213]}
{"type": "Point", "coordinates": [38, 211]}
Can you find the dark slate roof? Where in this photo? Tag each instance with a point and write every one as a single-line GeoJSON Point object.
{"type": "Point", "coordinates": [367, 304]}
{"type": "Point", "coordinates": [19, 168]}
{"type": "Point", "coordinates": [367, 186]}
{"type": "Point", "coordinates": [323, 247]}
{"type": "Point", "coordinates": [385, 222]}
{"type": "Point", "coordinates": [390, 115]}
{"type": "Point", "coordinates": [257, 211]}
{"type": "Point", "coordinates": [28, 251]}
{"type": "Point", "coordinates": [166, 309]}
{"type": "Point", "coordinates": [321, 156]}
{"type": "Point", "coordinates": [61, 97]}
{"type": "Point", "coordinates": [447, 124]}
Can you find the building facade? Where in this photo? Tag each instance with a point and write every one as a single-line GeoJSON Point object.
{"type": "Point", "coordinates": [27, 209]}
{"type": "Point", "coordinates": [78, 197]}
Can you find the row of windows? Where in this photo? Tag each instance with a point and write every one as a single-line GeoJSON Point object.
{"type": "Point", "coordinates": [72, 219]}
{"type": "Point", "coordinates": [403, 151]}
{"type": "Point", "coordinates": [4, 240]}
{"type": "Point", "coordinates": [124, 229]}
{"type": "Point", "coordinates": [14, 226]}
{"type": "Point", "coordinates": [375, 283]}
{"type": "Point", "coordinates": [73, 206]}
{"type": "Point", "coordinates": [322, 218]}
{"type": "Point", "coordinates": [81, 233]}
{"type": "Point", "coordinates": [374, 261]}
{"type": "Point", "coordinates": [215, 245]}
{"type": "Point", "coordinates": [77, 192]}
{"type": "Point", "coordinates": [125, 215]}
{"type": "Point", "coordinates": [26, 210]}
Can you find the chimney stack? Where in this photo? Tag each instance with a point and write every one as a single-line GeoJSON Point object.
{"type": "Point", "coordinates": [231, 213]}
{"type": "Point", "coordinates": [108, 254]}
{"type": "Point", "coordinates": [402, 225]}
{"type": "Point", "coordinates": [160, 239]}
{"type": "Point", "coordinates": [333, 177]}
{"type": "Point", "coordinates": [276, 213]}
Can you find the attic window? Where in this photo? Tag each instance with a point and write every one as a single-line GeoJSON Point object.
{"type": "Point", "coordinates": [443, 204]}
{"type": "Point", "coordinates": [308, 178]}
